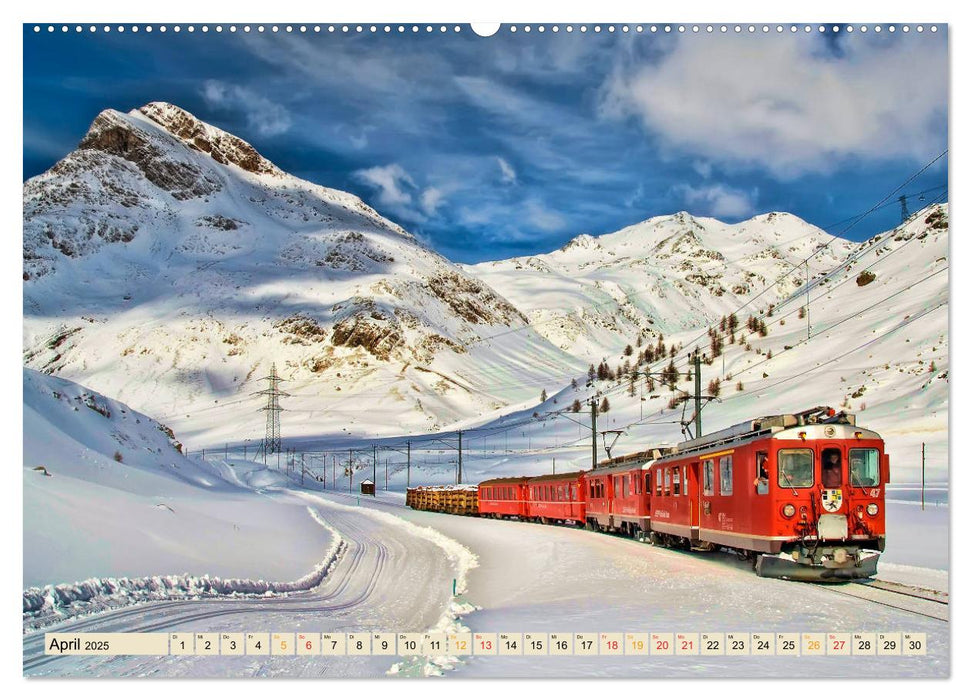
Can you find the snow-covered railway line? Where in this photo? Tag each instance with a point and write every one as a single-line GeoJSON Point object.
{"type": "Point", "coordinates": [919, 601]}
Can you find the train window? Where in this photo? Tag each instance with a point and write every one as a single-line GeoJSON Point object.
{"type": "Point", "coordinates": [573, 492]}
{"type": "Point", "coordinates": [761, 472]}
{"type": "Point", "coordinates": [626, 486]}
{"type": "Point", "coordinates": [795, 468]}
{"type": "Point", "coordinates": [708, 484]}
{"type": "Point", "coordinates": [667, 482]}
{"type": "Point", "coordinates": [832, 468]}
{"type": "Point", "coordinates": [725, 474]}
{"type": "Point", "coordinates": [647, 482]}
{"type": "Point", "coordinates": [660, 480]}
{"type": "Point", "coordinates": [677, 481]}
{"type": "Point", "coordinates": [864, 467]}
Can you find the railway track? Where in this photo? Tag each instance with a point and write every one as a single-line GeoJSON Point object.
{"type": "Point", "coordinates": [925, 602]}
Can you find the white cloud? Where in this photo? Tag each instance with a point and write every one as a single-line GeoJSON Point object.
{"type": "Point", "coordinates": [266, 117]}
{"type": "Point", "coordinates": [786, 104]}
{"type": "Point", "coordinates": [635, 196]}
{"type": "Point", "coordinates": [508, 172]}
{"type": "Point", "coordinates": [431, 199]}
{"type": "Point", "coordinates": [718, 200]}
{"type": "Point", "coordinates": [397, 191]}
{"type": "Point", "coordinates": [703, 168]}
{"type": "Point", "coordinates": [542, 218]}
{"type": "Point", "coordinates": [392, 183]}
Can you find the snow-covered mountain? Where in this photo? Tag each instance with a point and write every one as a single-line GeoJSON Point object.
{"type": "Point", "coordinates": [168, 264]}
{"type": "Point", "coordinates": [873, 339]}
{"type": "Point", "coordinates": [663, 275]}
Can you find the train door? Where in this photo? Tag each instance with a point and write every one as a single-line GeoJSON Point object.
{"type": "Point", "coordinates": [693, 489]}
{"type": "Point", "coordinates": [833, 477]}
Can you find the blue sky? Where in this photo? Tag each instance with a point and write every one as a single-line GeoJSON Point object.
{"type": "Point", "coordinates": [511, 145]}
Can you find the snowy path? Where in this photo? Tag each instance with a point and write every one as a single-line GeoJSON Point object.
{"type": "Point", "coordinates": [538, 578]}
{"type": "Point", "coordinates": [389, 579]}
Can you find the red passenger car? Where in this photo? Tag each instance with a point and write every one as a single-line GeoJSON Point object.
{"type": "Point", "coordinates": [503, 498]}
{"type": "Point", "coordinates": [619, 494]}
{"type": "Point", "coordinates": [804, 493]}
{"type": "Point", "coordinates": [556, 498]}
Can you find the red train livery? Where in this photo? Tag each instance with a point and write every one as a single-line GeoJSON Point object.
{"type": "Point", "coordinates": [559, 498]}
{"type": "Point", "coordinates": [503, 498]}
{"type": "Point", "coordinates": [801, 494]}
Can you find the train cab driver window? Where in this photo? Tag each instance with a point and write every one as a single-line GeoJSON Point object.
{"type": "Point", "coordinates": [761, 472]}
{"type": "Point", "coordinates": [677, 481]}
{"type": "Point", "coordinates": [864, 467]}
{"type": "Point", "coordinates": [795, 468]}
{"type": "Point", "coordinates": [832, 469]}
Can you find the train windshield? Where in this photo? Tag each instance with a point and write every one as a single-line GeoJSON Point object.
{"type": "Point", "coordinates": [864, 467]}
{"type": "Point", "coordinates": [795, 468]}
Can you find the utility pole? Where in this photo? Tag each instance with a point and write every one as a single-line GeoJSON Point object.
{"type": "Point", "coordinates": [593, 430]}
{"type": "Point", "coordinates": [374, 465]}
{"type": "Point", "coordinates": [350, 471]}
{"type": "Point", "coordinates": [808, 331]}
{"type": "Point", "coordinates": [302, 470]}
{"type": "Point", "coordinates": [333, 474]}
{"type": "Point", "coordinates": [409, 463]}
{"type": "Point", "coordinates": [922, 464]}
{"type": "Point", "coordinates": [460, 458]}
{"type": "Point", "coordinates": [697, 363]}
{"type": "Point", "coordinates": [385, 473]}
{"type": "Point", "coordinates": [904, 212]}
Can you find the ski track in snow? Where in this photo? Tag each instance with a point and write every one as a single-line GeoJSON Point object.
{"type": "Point", "coordinates": [69, 601]}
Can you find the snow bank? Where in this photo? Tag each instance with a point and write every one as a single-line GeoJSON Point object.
{"type": "Point", "coordinates": [44, 606]}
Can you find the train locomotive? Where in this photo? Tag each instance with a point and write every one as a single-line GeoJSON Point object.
{"type": "Point", "coordinates": [801, 495]}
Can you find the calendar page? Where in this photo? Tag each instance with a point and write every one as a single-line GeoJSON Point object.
{"type": "Point", "coordinates": [519, 350]}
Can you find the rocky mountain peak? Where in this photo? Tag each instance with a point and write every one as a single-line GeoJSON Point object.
{"type": "Point", "coordinates": [224, 148]}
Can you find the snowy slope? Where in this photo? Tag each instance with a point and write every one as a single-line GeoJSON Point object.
{"type": "Point", "coordinates": [168, 264]}
{"type": "Point", "coordinates": [107, 494]}
{"type": "Point", "coordinates": [666, 274]}
{"type": "Point", "coordinates": [879, 350]}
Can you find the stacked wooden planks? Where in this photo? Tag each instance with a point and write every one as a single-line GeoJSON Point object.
{"type": "Point", "coordinates": [457, 500]}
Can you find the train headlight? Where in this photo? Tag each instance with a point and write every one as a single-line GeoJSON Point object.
{"type": "Point", "coordinates": [872, 509]}
{"type": "Point", "coordinates": [788, 510]}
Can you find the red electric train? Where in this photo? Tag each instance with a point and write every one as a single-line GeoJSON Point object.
{"type": "Point", "coordinates": [801, 494]}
